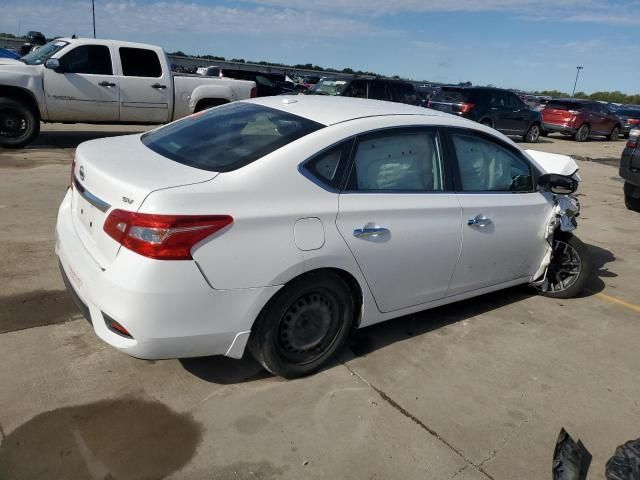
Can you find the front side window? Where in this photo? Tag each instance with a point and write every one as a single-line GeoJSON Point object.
{"type": "Point", "coordinates": [498, 99]}
{"type": "Point", "coordinates": [397, 161]}
{"type": "Point", "coordinates": [229, 137]}
{"type": "Point", "coordinates": [140, 62]}
{"type": "Point", "coordinates": [485, 166]}
{"type": "Point", "coordinates": [88, 59]}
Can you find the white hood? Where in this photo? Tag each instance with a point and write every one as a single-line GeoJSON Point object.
{"type": "Point", "coordinates": [10, 61]}
{"type": "Point", "coordinates": [553, 162]}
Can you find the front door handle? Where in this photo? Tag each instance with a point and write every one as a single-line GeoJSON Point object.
{"type": "Point", "coordinates": [479, 221]}
{"type": "Point", "coordinates": [367, 232]}
{"type": "Point", "coordinates": [158, 86]}
{"type": "Point", "coordinates": [107, 84]}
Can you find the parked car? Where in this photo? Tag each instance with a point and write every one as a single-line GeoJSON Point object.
{"type": "Point", "coordinates": [268, 84]}
{"type": "Point", "coordinates": [281, 223]}
{"type": "Point", "coordinates": [101, 81]}
{"type": "Point", "coordinates": [494, 107]}
{"type": "Point", "coordinates": [629, 118]}
{"type": "Point", "coordinates": [211, 71]}
{"type": "Point", "coordinates": [374, 88]}
{"type": "Point", "coordinates": [581, 119]}
{"type": "Point", "coordinates": [630, 171]}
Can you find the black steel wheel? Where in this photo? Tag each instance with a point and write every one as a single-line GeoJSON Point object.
{"type": "Point", "coordinates": [303, 325]}
{"type": "Point", "coordinates": [569, 268]}
{"type": "Point", "coordinates": [18, 124]}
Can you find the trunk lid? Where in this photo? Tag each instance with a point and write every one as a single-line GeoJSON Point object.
{"type": "Point", "coordinates": [560, 113]}
{"type": "Point", "coordinates": [449, 100]}
{"type": "Point", "coordinates": [119, 173]}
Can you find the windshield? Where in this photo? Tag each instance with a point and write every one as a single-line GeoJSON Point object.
{"type": "Point", "coordinates": [329, 87]}
{"type": "Point", "coordinates": [228, 137]}
{"type": "Point", "coordinates": [39, 56]}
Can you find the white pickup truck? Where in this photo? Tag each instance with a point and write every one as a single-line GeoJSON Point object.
{"type": "Point", "coordinates": [101, 81]}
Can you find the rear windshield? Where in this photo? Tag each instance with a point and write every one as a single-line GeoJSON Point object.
{"type": "Point", "coordinates": [565, 105]}
{"type": "Point", "coordinates": [329, 87]}
{"type": "Point", "coordinates": [447, 95]}
{"type": "Point", "coordinates": [228, 137]}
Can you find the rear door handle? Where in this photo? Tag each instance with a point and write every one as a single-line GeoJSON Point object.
{"type": "Point", "coordinates": [107, 84]}
{"type": "Point", "coordinates": [158, 86]}
{"type": "Point", "coordinates": [370, 232]}
{"type": "Point", "coordinates": [479, 221]}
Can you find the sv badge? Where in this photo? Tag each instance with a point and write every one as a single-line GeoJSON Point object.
{"type": "Point", "coordinates": [127, 200]}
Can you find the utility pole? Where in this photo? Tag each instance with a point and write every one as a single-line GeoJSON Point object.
{"type": "Point", "coordinates": [93, 12]}
{"type": "Point", "coordinates": [578, 68]}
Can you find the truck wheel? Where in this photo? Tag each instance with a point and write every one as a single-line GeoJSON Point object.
{"type": "Point", "coordinates": [615, 133]}
{"type": "Point", "coordinates": [533, 134]}
{"type": "Point", "coordinates": [18, 124]}
{"type": "Point", "coordinates": [631, 202]}
{"type": "Point", "coordinates": [570, 267]}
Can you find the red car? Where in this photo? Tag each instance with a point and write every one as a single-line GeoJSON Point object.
{"type": "Point", "coordinates": [580, 119]}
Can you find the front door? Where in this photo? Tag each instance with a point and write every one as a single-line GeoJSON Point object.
{"type": "Point", "coordinates": [399, 220]}
{"type": "Point", "coordinates": [85, 88]}
{"type": "Point", "coordinates": [504, 217]}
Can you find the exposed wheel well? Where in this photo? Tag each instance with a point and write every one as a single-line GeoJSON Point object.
{"type": "Point", "coordinates": [21, 95]}
{"type": "Point", "coordinates": [209, 103]}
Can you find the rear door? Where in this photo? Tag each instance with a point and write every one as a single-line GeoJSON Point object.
{"type": "Point", "coordinates": [85, 89]}
{"type": "Point", "coordinates": [504, 217]}
{"type": "Point", "coordinates": [398, 218]}
{"type": "Point", "coordinates": [519, 114]}
{"type": "Point", "coordinates": [500, 111]}
{"type": "Point", "coordinates": [146, 91]}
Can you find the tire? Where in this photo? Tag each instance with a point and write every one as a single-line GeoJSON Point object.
{"type": "Point", "coordinates": [19, 124]}
{"type": "Point", "coordinates": [533, 134]}
{"type": "Point", "coordinates": [567, 250]}
{"type": "Point", "coordinates": [629, 201]}
{"type": "Point", "coordinates": [303, 326]}
{"type": "Point", "coordinates": [615, 133]}
{"type": "Point", "coordinates": [582, 134]}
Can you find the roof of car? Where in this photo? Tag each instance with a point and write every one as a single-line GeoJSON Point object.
{"type": "Point", "coordinates": [329, 110]}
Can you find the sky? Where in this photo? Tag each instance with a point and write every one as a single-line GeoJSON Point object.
{"type": "Point", "coordinates": [526, 44]}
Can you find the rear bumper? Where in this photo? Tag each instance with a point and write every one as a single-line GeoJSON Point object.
{"type": "Point", "coordinates": [553, 127]}
{"type": "Point", "coordinates": [167, 306]}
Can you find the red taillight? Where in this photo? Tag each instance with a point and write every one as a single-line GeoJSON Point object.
{"type": "Point", "coordinates": [466, 107]}
{"type": "Point", "coordinates": [73, 173]}
{"type": "Point", "coordinates": [254, 92]}
{"type": "Point", "coordinates": [632, 142]}
{"type": "Point", "coordinates": [163, 237]}
{"type": "Point", "coordinates": [633, 121]}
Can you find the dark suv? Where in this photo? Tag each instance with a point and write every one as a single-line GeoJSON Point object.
{"type": "Point", "coordinates": [495, 107]}
{"type": "Point", "coordinates": [581, 119]}
{"type": "Point", "coordinates": [367, 87]}
{"type": "Point", "coordinates": [629, 118]}
{"type": "Point", "coordinates": [630, 171]}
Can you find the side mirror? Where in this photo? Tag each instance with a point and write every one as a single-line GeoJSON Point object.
{"type": "Point", "coordinates": [558, 184]}
{"type": "Point", "coordinates": [53, 64]}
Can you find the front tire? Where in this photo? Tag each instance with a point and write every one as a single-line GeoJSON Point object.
{"type": "Point", "coordinates": [615, 133]}
{"type": "Point", "coordinates": [570, 267]}
{"type": "Point", "coordinates": [303, 326]}
{"type": "Point", "coordinates": [533, 134]}
{"type": "Point", "coordinates": [19, 125]}
{"type": "Point", "coordinates": [582, 135]}
{"type": "Point", "coordinates": [630, 201]}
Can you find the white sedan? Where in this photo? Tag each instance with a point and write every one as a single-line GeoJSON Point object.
{"type": "Point", "coordinates": [279, 224]}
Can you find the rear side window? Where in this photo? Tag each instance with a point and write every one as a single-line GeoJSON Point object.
{"type": "Point", "coordinates": [485, 166]}
{"type": "Point", "coordinates": [446, 95]}
{"type": "Point", "coordinates": [328, 167]}
{"type": "Point", "coordinates": [88, 59]}
{"type": "Point", "coordinates": [229, 137]}
{"type": "Point", "coordinates": [403, 160]}
{"type": "Point", "coordinates": [140, 62]}
{"type": "Point", "coordinates": [377, 90]}
{"type": "Point", "coordinates": [564, 105]}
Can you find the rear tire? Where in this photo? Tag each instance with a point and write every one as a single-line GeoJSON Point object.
{"type": "Point", "coordinates": [303, 326]}
{"type": "Point", "coordinates": [582, 134]}
{"type": "Point", "coordinates": [615, 133]}
{"type": "Point", "coordinates": [629, 201]}
{"type": "Point", "coordinates": [569, 269]}
{"type": "Point", "coordinates": [19, 124]}
{"type": "Point", "coordinates": [533, 134]}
